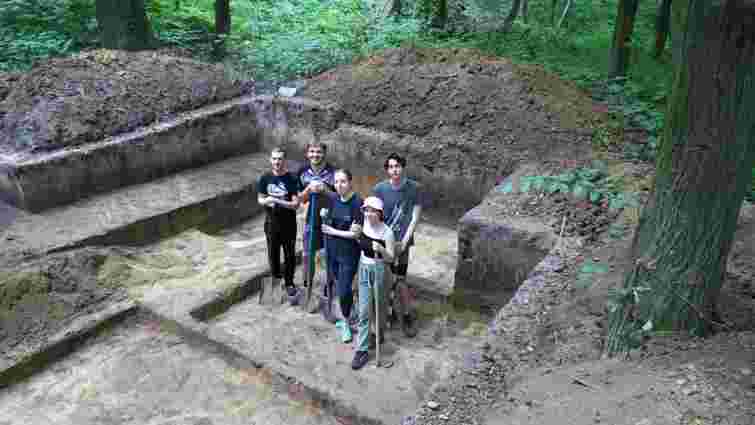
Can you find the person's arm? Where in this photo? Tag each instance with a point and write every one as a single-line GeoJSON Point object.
{"type": "Point", "coordinates": [292, 204]}
{"type": "Point", "coordinates": [262, 197]}
{"type": "Point", "coordinates": [346, 234]}
{"type": "Point", "coordinates": [416, 213]}
{"type": "Point", "coordinates": [387, 250]}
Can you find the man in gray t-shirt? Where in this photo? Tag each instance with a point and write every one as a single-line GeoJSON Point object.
{"type": "Point", "coordinates": [402, 206]}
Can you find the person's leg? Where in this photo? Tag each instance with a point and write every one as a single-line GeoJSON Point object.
{"type": "Point", "coordinates": [273, 250]}
{"type": "Point", "coordinates": [342, 289]}
{"type": "Point", "coordinates": [289, 253]}
{"type": "Point", "coordinates": [344, 286]}
{"type": "Point", "coordinates": [326, 297]}
{"type": "Point", "coordinates": [363, 329]}
{"type": "Point", "coordinates": [361, 353]}
{"type": "Point", "coordinates": [405, 295]}
{"type": "Point", "coordinates": [305, 255]}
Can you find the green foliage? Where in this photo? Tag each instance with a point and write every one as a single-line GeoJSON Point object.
{"type": "Point", "coordinates": [31, 30]}
{"type": "Point", "coordinates": [586, 273]}
{"type": "Point", "coordinates": [587, 184]}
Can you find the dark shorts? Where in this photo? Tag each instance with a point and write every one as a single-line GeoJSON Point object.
{"type": "Point", "coordinates": [401, 265]}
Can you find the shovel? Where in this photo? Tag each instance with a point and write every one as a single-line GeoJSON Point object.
{"type": "Point", "coordinates": [312, 220]}
{"type": "Point", "coordinates": [270, 286]}
{"type": "Point", "coordinates": [378, 363]}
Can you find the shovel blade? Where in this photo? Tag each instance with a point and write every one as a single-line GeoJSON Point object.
{"type": "Point", "coordinates": [270, 291]}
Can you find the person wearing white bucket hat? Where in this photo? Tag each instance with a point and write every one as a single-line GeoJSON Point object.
{"type": "Point", "coordinates": [376, 244]}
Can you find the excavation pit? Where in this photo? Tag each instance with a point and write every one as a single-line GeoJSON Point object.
{"type": "Point", "coordinates": [206, 291]}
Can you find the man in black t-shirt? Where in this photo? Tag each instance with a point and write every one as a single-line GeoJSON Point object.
{"type": "Point", "coordinates": [278, 192]}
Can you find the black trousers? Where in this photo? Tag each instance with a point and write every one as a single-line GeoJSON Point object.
{"type": "Point", "coordinates": [281, 234]}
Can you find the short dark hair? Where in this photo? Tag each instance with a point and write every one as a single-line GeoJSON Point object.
{"type": "Point", "coordinates": [398, 158]}
{"type": "Point", "coordinates": [345, 172]}
{"type": "Point", "coordinates": [316, 144]}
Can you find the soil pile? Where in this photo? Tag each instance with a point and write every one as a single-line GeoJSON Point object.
{"type": "Point", "coordinates": [80, 99]}
{"type": "Point", "coordinates": [456, 100]}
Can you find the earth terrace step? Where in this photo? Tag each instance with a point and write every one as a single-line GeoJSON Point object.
{"type": "Point", "coordinates": [36, 182]}
{"type": "Point", "coordinates": [497, 252]}
{"type": "Point", "coordinates": [454, 188]}
{"type": "Point", "coordinates": [65, 342]}
{"type": "Point", "coordinates": [220, 194]}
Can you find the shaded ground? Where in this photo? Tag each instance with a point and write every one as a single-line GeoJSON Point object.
{"type": "Point", "coordinates": [95, 94]}
{"type": "Point", "coordinates": [44, 296]}
{"type": "Point", "coordinates": [472, 110]}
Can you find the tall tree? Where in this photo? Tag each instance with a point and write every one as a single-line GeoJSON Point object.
{"type": "Point", "coordinates": [509, 22]}
{"type": "Point", "coordinates": [702, 172]}
{"type": "Point", "coordinates": [392, 8]}
{"type": "Point", "coordinates": [622, 37]}
{"type": "Point", "coordinates": [222, 25]}
{"type": "Point", "coordinates": [662, 24]}
{"type": "Point", "coordinates": [434, 11]}
{"type": "Point", "coordinates": [123, 24]}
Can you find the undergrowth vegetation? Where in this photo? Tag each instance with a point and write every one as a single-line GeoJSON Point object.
{"type": "Point", "coordinates": [288, 39]}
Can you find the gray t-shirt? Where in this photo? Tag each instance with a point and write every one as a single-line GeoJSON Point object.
{"type": "Point", "coordinates": [398, 204]}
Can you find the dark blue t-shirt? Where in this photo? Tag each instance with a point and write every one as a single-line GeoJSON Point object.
{"type": "Point", "coordinates": [341, 216]}
{"type": "Point", "coordinates": [398, 204]}
{"type": "Point", "coordinates": [282, 187]}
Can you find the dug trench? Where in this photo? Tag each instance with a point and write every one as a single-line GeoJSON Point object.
{"type": "Point", "coordinates": [147, 291]}
{"type": "Point", "coordinates": [131, 265]}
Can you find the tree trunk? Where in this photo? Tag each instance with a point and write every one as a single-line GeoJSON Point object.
{"type": "Point", "coordinates": [392, 8]}
{"type": "Point", "coordinates": [662, 23]}
{"type": "Point", "coordinates": [703, 169]}
{"type": "Point", "coordinates": [509, 22]}
{"type": "Point", "coordinates": [554, 11]}
{"type": "Point", "coordinates": [222, 27]}
{"type": "Point", "coordinates": [123, 24]}
{"type": "Point", "coordinates": [434, 11]}
{"type": "Point", "coordinates": [525, 11]}
{"type": "Point", "coordinates": [622, 37]}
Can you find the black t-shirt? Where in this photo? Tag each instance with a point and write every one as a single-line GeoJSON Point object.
{"type": "Point", "coordinates": [282, 187]}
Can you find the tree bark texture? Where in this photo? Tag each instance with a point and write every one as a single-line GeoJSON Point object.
{"type": "Point", "coordinates": [509, 22]}
{"type": "Point", "coordinates": [622, 37]}
{"type": "Point", "coordinates": [392, 8]}
{"type": "Point", "coordinates": [222, 26]}
{"type": "Point", "coordinates": [662, 24]}
{"type": "Point", "coordinates": [123, 24]}
{"type": "Point", "coordinates": [222, 16]}
{"type": "Point", "coordinates": [703, 170]}
{"type": "Point", "coordinates": [435, 11]}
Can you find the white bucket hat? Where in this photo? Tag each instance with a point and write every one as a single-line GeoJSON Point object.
{"type": "Point", "coordinates": [373, 202]}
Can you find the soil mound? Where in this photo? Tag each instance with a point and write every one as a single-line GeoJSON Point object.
{"type": "Point", "coordinates": [457, 99]}
{"type": "Point", "coordinates": [80, 99]}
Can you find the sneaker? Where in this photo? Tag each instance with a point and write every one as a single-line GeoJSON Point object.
{"type": "Point", "coordinates": [345, 331]}
{"type": "Point", "coordinates": [408, 326]}
{"type": "Point", "coordinates": [293, 294]}
{"type": "Point", "coordinates": [360, 359]}
{"type": "Point", "coordinates": [373, 340]}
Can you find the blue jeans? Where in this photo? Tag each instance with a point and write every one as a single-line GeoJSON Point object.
{"type": "Point", "coordinates": [371, 277]}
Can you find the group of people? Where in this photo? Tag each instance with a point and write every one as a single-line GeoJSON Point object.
{"type": "Point", "coordinates": [368, 238]}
